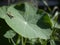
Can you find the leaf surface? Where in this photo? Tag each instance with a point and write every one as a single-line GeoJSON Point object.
{"type": "Point", "coordinates": [9, 34]}
{"type": "Point", "coordinates": [24, 28]}
{"type": "Point", "coordinates": [2, 11]}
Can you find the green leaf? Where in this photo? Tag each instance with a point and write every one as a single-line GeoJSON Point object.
{"type": "Point", "coordinates": [31, 11]}
{"type": "Point", "coordinates": [44, 1]}
{"type": "Point", "coordinates": [2, 11]}
{"type": "Point", "coordinates": [55, 20]}
{"type": "Point", "coordinates": [57, 25]}
{"type": "Point", "coordinates": [23, 27]}
{"type": "Point", "coordinates": [9, 34]}
{"type": "Point", "coordinates": [45, 21]}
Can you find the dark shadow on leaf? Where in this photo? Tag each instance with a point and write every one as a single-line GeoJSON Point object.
{"type": "Point", "coordinates": [42, 24]}
{"type": "Point", "coordinates": [20, 7]}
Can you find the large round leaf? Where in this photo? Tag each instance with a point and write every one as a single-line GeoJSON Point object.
{"type": "Point", "coordinates": [23, 28]}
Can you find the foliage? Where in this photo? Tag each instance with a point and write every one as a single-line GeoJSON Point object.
{"type": "Point", "coordinates": [30, 24]}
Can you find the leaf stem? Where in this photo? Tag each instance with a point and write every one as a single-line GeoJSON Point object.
{"type": "Point", "coordinates": [9, 40]}
{"type": "Point", "coordinates": [18, 39]}
{"type": "Point", "coordinates": [23, 43]}
{"type": "Point", "coordinates": [13, 41]}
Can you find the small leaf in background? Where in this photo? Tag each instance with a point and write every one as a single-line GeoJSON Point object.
{"type": "Point", "coordinates": [55, 20]}
{"type": "Point", "coordinates": [54, 9]}
{"type": "Point", "coordinates": [57, 25]}
{"type": "Point", "coordinates": [55, 16]}
{"type": "Point", "coordinates": [45, 21]}
{"type": "Point", "coordinates": [44, 1]}
{"type": "Point", "coordinates": [9, 34]}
